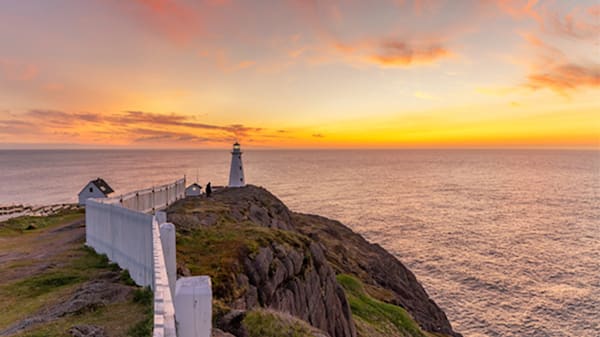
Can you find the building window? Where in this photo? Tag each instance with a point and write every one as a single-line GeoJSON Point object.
{"type": "Point", "coordinates": [91, 189]}
{"type": "Point", "coordinates": [240, 167]}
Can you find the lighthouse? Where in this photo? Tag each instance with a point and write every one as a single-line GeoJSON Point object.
{"type": "Point", "coordinates": [236, 173]}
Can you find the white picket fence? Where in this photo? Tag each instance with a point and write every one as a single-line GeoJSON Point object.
{"type": "Point", "coordinates": [122, 229]}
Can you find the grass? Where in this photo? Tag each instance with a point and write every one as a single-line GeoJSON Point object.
{"type": "Point", "coordinates": [377, 318]}
{"type": "Point", "coordinates": [267, 323]}
{"type": "Point", "coordinates": [218, 251]}
{"type": "Point", "coordinates": [45, 264]}
{"type": "Point", "coordinates": [145, 298]}
{"type": "Point", "coordinates": [28, 223]}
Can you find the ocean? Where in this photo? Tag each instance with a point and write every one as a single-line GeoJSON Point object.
{"type": "Point", "coordinates": [507, 242]}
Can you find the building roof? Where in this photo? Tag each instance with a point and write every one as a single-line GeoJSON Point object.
{"type": "Point", "coordinates": [102, 186]}
{"type": "Point", "coordinates": [194, 184]}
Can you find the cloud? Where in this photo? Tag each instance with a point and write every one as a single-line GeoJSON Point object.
{"type": "Point", "coordinates": [138, 126]}
{"type": "Point", "coordinates": [580, 23]}
{"type": "Point", "coordinates": [178, 21]}
{"type": "Point", "coordinates": [398, 53]}
{"type": "Point", "coordinates": [369, 46]}
{"type": "Point", "coordinates": [318, 135]}
{"type": "Point", "coordinates": [154, 136]}
{"type": "Point", "coordinates": [57, 117]}
{"type": "Point", "coordinates": [224, 62]}
{"type": "Point", "coordinates": [13, 70]}
{"type": "Point", "coordinates": [133, 117]}
{"type": "Point", "coordinates": [565, 77]}
{"type": "Point", "coordinates": [557, 65]}
{"type": "Point", "coordinates": [16, 126]}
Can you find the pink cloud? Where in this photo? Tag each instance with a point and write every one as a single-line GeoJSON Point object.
{"type": "Point", "coordinates": [176, 20]}
{"type": "Point", "coordinates": [17, 70]}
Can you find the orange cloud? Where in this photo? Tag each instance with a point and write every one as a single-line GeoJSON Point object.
{"type": "Point", "coordinates": [127, 126]}
{"type": "Point", "coordinates": [520, 8]}
{"type": "Point", "coordinates": [565, 77]}
{"type": "Point", "coordinates": [555, 68]}
{"type": "Point", "coordinates": [395, 53]}
{"type": "Point", "coordinates": [224, 62]}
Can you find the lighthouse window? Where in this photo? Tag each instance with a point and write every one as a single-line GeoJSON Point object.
{"type": "Point", "coordinates": [241, 179]}
{"type": "Point", "coordinates": [91, 189]}
{"type": "Point", "coordinates": [240, 167]}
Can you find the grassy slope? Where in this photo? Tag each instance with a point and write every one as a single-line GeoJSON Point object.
{"type": "Point", "coordinates": [43, 265]}
{"type": "Point", "coordinates": [217, 252]}
{"type": "Point", "coordinates": [269, 323]}
{"type": "Point", "coordinates": [374, 318]}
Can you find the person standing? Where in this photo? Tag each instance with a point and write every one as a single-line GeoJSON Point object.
{"type": "Point", "coordinates": [208, 189]}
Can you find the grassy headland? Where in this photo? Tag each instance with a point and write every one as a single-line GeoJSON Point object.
{"type": "Point", "coordinates": [44, 266]}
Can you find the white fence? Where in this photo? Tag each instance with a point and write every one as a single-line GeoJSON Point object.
{"type": "Point", "coordinates": [154, 198]}
{"type": "Point", "coordinates": [125, 236]}
{"type": "Point", "coordinates": [121, 229]}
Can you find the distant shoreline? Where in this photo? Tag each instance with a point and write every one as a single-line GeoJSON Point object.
{"type": "Point", "coordinates": [8, 212]}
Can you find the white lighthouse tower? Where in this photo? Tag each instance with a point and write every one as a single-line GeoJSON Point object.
{"type": "Point", "coordinates": [236, 173]}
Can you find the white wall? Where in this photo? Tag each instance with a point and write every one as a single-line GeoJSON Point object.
{"type": "Point", "coordinates": [125, 236]}
{"type": "Point", "coordinates": [136, 242]}
{"type": "Point", "coordinates": [236, 172]}
{"type": "Point", "coordinates": [86, 194]}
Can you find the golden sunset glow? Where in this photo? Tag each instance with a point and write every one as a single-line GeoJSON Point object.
{"type": "Point", "coordinates": [299, 74]}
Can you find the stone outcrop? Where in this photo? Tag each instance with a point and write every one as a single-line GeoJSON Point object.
{"type": "Point", "coordinates": [90, 296]}
{"type": "Point", "coordinates": [87, 331]}
{"type": "Point", "coordinates": [350, 253]}
{"type": "Point", "coordinates": [300, 279]}
{"type": "Point", "coordinates": [300, 283]}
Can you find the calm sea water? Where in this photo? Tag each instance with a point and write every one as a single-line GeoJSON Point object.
{"type": "Point", "coordinates": [506, 242]}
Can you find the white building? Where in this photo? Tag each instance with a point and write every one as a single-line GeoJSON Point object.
{"type": "Point", "coordinates": [194, 190]}
{"type": "Point", "coordinates": [94, 189]}
{"type": "Point", "coordinates": [236, 173]}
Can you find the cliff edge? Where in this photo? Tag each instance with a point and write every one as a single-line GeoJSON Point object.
{"type": "Point", "coordinates": [278, 273]}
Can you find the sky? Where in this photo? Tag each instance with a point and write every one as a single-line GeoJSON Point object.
{"type": "Point", "coordinates": [300, 74]}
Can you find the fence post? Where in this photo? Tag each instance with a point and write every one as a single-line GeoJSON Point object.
{"type": "Point", "coordinates": [167, 239]}
{"type": "Point", "coordinates": [193, 306]}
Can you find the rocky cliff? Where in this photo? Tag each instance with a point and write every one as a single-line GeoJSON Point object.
{"type": "Point", "coordinates": [261, 255]}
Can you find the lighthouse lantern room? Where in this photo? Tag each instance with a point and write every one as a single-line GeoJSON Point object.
{"type": "Point", "coordinates": [236, 173]}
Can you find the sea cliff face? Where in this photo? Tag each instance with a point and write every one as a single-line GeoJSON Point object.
{"type": "Point", "coordinates": [261, 255]}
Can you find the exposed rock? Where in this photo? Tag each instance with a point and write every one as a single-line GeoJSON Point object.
{"type": "Point", "coordinates": [300, 280]}
{"type": "Point", "coordinates": [87, 331]}
{"type": "Point", "coordinates": [300, 283]}
{"type": "Point", "coordinates": [220, 333]}
{"type": "Point", "coordinates": [392, 282]}
{"type": "Point", "coordinates": [232, 323]}
{"type": "Point", "coordinates": [90, 296]}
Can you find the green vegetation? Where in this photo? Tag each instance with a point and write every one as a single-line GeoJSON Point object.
{"type": "Point", "coordinates": [144, 297]}
{"type": "Point", "coordinates": [41, 268]}
{"type": "Point", "coordinates": [266, 323]}
{"type": "Point", "coordinates": [22, 224]}
{"type": "Point", "coordinates": [376, 318]}
{"type": "Point", "coordinates": [218, 250]}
